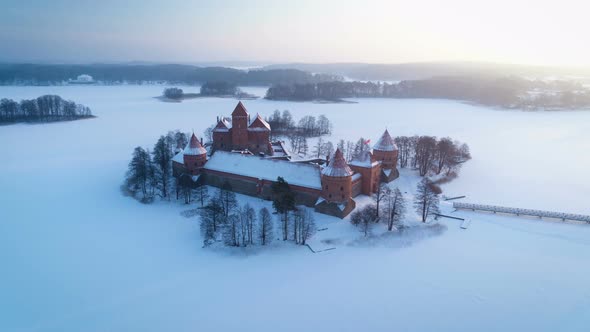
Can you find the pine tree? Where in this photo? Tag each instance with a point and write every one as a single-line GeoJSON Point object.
{"type": "Point", "coordinates": [283, 201]}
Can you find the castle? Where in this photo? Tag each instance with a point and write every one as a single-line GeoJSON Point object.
{"type": "Point", "coordinates": [243, 156]}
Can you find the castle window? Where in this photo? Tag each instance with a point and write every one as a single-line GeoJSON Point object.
{"type": "Point", "coordinates": [330, 195]}
{"type": "Point", "coordinates": [341, 188]}
{"type": "Point", "coordinates": [342, 196]}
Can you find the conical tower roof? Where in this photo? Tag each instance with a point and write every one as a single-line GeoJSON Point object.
{"type": "Point", "coordinates": [337, 166]}
{"type": "Point", "coordinates": [194, 147]}
{"type": "Point", "coordinates": [385, 143]}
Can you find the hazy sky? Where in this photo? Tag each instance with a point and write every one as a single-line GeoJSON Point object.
{"type": "Point", "coordinates": [515, 31]}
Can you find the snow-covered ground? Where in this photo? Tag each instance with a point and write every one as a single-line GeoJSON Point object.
{"type": "Point", "coordinates": [76, 255]}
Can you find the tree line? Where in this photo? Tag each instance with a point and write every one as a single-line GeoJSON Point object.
{"type": "Point", "coordinates": [149, 173]}
{"type": "Point", "coordinates": [45, 108]}
{"type": "Point", "coordinates": [223, 219]}
{"type": "Point", "coordinates": [389, 207]}
{"type": "Point", "coordinates": [511, 92]}
{"type": "Point", "coordinates": [49, 74]}
{"type": "Point", "coordinates": [428, 154]}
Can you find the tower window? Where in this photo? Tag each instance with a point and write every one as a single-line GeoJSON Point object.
{"type": "Point", "coordinates": [341, 188]}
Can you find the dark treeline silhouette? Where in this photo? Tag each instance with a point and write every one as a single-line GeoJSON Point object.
{"type": "Point", "coordinates": [46, 108]}
{"type": "Point", "coordinates": [509, 92]}
{"type": "Point", "coordinates": [219, 88]}
{"type": "Point", "coordinates": [308, 126]}
{"type": "Point", "coordinates": [48, 74]}
{"type": "Point", "coordinates": [173, 93]}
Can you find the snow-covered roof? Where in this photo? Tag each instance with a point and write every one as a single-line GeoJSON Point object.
{"type": "Point", "coordinates": [194, 147]}
{"type": "Point", "coordinates": [223, 125]}
{"type": "Point", "coordinates": [364, 159]}
{"type": "Point", "coordinates": [259, 124]}
{"type": "Point", "coordinates": [303, 175]}
{"type": "Point", "coordinates": [385, 143]}
{"type": "Point", "coordinates": [179, 158]}
{"type": "Point", "coordinates": [240, 110]}
{"type": "Point", "coordinates": [337, 166]}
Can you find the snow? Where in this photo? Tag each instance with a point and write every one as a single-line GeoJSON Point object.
{"type": "Point", "coordinates": [299, 174]}
{"type": "Point", "coordinates": [77, 255]}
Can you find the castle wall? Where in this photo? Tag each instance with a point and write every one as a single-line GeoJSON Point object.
{"type": "Point", "coordinates": [258, 141]}
{"type": "Point", "coordinates": [336, 189]}
{"type": "Point", "coordinates": [222, 140]}
{"type": "Point", "coordinates": [370, 178]}
{"type": "Point", "coordinates": [256, 187]}
{"type": "Point", "coordinates": [357, 186]}
{"type": "Point", "coordinates": [388, 158]}
{"type": "Point", "coordinates": [193, 164]}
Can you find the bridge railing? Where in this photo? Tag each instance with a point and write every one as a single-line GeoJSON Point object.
{"type": "Point", "coordinates": [519, 211]}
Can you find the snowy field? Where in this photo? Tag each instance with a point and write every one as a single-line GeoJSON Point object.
{"type": "Point", "coordinates": [76, 255]}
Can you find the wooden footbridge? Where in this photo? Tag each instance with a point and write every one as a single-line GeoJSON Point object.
{"type": "Point", "coordinates": [521, 212]}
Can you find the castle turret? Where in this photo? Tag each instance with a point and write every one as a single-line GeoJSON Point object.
{"type": "Point", "coordinates": [239, 130]}
{"type": "Point", "coordinates": [337, 180]}
{"type": "Point", "coordinates": [195, 156]}
{"type": "Point", "coordinates": [386, 152]}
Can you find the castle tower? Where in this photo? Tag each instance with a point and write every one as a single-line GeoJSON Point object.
{"type": "Point", "coordinates": [195, 156]}
{"type": "Point", "coordinates": [337, 180]}
{"type": "Point", "coordinates": [259, 135]}
{"type": "Point", "coordinates": [239, 130]}
{"type": "Point", "coordinates": [369, 168]}
{"type": "Point", "coordinates": [386, 152]}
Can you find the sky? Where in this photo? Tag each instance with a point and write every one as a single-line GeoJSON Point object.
{"type": "Point", "coordinates": [321, 31]}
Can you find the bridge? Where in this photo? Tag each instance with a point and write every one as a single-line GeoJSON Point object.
{"type": "Point", "coordinates": [521, 212]}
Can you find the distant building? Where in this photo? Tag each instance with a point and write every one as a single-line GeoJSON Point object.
{"type": "Point", "coordinates": [82, 79]}
{"type": "Point", "coordinates": [243, 156]}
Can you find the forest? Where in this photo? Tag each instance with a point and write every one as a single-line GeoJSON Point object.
{"type": "Point", "coordinates": [47, 108]}
{"type": "Point", "coordinates": [56, 74]}
{"type": "Point", "coordinates": [509, 92]}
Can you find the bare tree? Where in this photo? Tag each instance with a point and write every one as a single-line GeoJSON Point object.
{"type": "Point", "coordinates": [379, 196]}
{"type": "Point", "coordinates": [318, 149]}
{"type": "Point", "coordinates": [227, 198]}
{"type": "Point", "coordinates": [426, 200]}
{"type": "Point", "coordinates": [393, 208]}
{"type": "Point", "coordinates": [250, 217]}
{"type": "Point", "coordinates": [425, 153]}
{"type": "Point", "coordinates": [202, 194]}
{"type": "Point", "coordinates": [265, 226]}
{"type": "Point", "coordinates": [364, 218]}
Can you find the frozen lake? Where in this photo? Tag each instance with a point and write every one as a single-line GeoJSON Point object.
{"type": "Point", "coordinates": [78, 256]}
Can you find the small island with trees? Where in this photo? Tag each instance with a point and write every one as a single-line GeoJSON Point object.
{"type": "Point", "coordinates": [47, 108]}
{"type": "Point", "coordinates": [300, 186]}
{"type": "Point", "coordinates": [219, 89]}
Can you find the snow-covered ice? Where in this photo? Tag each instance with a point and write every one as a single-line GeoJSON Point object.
{"type": "Point", "coordinates": [76, 255]}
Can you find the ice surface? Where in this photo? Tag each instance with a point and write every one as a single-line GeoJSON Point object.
{"type": "Point", "coordinates": [76, 255]}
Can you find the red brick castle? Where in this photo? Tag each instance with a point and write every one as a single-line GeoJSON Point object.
{"type": "Point", "coordinates": [243, 156]}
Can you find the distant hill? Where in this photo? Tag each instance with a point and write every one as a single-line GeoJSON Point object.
{"type": "Point", "coordinates": [417, 71]}
{"type": "Point", "coordinates": [49, 74]}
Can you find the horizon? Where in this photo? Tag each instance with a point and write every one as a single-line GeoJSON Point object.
{"type": "Point", "coordinates": [379, 32]}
